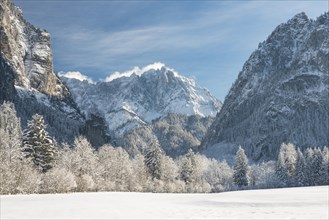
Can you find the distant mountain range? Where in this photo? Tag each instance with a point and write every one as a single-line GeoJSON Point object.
{"type": "Point", "coordinates": [281, 95]}
{"type": "Point", "coordinates": [144, 95]}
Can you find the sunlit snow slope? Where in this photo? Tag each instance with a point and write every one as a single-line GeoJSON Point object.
{"type": "Point", "coordinates": [289, 203]}
{"type": "Point", "coordinates": [136, 97]}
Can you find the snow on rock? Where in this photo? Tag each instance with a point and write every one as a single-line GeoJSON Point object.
{"type": "Point", "coordinates": [288, 203]}
{"type": "Point", "coordinates": [28, 51]}
{"type": "Point", "coordinates": [136, 97]}
{"type": "Point", "coordinates": [281, 94]}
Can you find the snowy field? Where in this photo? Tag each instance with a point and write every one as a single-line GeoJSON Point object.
{"type": "Point", "coordinates": [292, 203]}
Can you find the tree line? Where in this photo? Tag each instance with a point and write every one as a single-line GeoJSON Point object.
{"type": "Point", "coordinates": [32, 162]}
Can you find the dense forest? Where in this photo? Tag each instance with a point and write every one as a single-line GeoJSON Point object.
{"type": "Point", "coordinates": [32, 162]}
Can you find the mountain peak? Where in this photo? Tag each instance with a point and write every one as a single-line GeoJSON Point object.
{"type": "Point", "coordinates": [300, 18]}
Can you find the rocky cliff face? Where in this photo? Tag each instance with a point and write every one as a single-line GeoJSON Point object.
{"type": "Point", "coordinates": [281, 94]}
{"type": "Point", "coordinates": [7, 80]}
{"type": "Point", "coordinates": [27, 78]}
{"type": "Point", "coordinates": [27, 49]}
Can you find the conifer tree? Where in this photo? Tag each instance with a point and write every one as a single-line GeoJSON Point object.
{"type": "Point", "coordinates": [188, 167]}
{"type": "Point", "coordinates": [309, 154]}
{"type": "Point", "coordinates": [315, 166]}
{"type": "Point", "coordinates": [300, 168]}
{"type": "Point", "coordinates": [281, 170]}
{"type": "Point", "coordinates": [286, 164]}
{"type": "Point", "coordinates": [153, 161]}
{"type": "Point", "coordinates": [38, 145]}
{"type": "Point", "coordinates": [240, 168]}
{"type": "Point", "coordinates": [10, 132]}
{"type": "Point", "coordinates": [324, 171]}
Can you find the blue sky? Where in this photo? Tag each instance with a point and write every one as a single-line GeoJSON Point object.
{"type": "Point", "coordinates": [205, 40]}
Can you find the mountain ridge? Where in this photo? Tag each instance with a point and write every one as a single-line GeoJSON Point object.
{"type": "Point", "coordinates": [281, 94]}
{"type": "Point", "coordinates": [131, 99]}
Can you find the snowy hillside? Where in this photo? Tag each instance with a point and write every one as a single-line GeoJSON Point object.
{"type": "Point", "coordinates": [288, 203]}
{"type": "Point", "coordinates": [281, 94]}
{"type": "Point", "coordinates": [136, 97]}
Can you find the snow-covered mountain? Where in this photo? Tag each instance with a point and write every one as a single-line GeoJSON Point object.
{"type": "Point", "coordinates": [27, 77]}
{"type": "Point", "coordinates": [28, 51]}
{"type": "Point", "coordinates": [135, 98]}
{"type": "Point", "coordinates": [281, 94]}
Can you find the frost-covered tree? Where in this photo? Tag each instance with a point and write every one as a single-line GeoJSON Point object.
{"type": "Point", "coordinates": [300, 168]}
{"type": "Point", "coordinates": [57, 180]}
{"type": "Point", "coordinates": [188, 167]}
{"type": "Point", "coordinates": [168, 179]}
{"type": "Point", "coordinates": [83, 163]}
{"type": "Point", "coordinates": [16, 174]}
{"type": "Point", "coordinates": [193, 168]}
{"type": "Point", "coordinates": [240, 168]}
{"type": "Point", "coordinates": [315, 167]}
{"type": "Point", "coordinates": [38, 145]}
{"type": "Point", "coordinates": [115, 169]}
{"type": "Point", "coordinates": [309, 154]}
{"type": "Point", "coordinates": [106, 177]}
{"type": "Point", "coordinates": [10, 132]}
{"type": "Point", "coordinates": [140, 174]}
{"type": "Point", "coordinates": [153, 161]}
{"type": "Point", "coordinates": [169, 169]}
{"type": "Point", "coordinates": [265, 175]}
{"type": "Point", "coordinates": [219, 176]}
{"type": "Point", "coordinates": [324, 171]}
{"type": "Point", "coordinates": [286, 164]}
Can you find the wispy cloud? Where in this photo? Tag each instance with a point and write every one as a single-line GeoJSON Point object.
{"type": "Point", "coordinates": [75, 75]}
{"type": "Point", "coordinates": [214, 26]}
{"type": "Point", "coordinates": [210, 40]}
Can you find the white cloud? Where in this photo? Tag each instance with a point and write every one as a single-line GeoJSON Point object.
{"type": "Point", "coordinates": [136, 70]}
{"type": "Point", "coordinates": [75, 75]}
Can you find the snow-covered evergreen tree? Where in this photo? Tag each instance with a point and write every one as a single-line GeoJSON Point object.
{"type": "Point", "coordinates": [188, 168]}
{"type": "Point", "coordinates": [240, 168]}
{"type": "Point", "coordinates": [300, 168]}
{"type": "Point", "coordinates": [38, 145]}
{"type": "Point", "coordinates": [324, 171]}
{"type": "Point", "coordinates": [153, 161]}
{"type": "Point", "coordinates": [309, 153]}
{"type": "Point", "coordinates": [281, 169]}
{"type": "Point", "coordinates": [315, 167]}
{"type": "Point", "coordinates": [286, 164]}
{"type": "Point", "coordinates": [10, 132]}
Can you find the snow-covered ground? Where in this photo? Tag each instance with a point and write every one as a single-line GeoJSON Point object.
{"type": "Point", "coordinates": [291, 203]}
